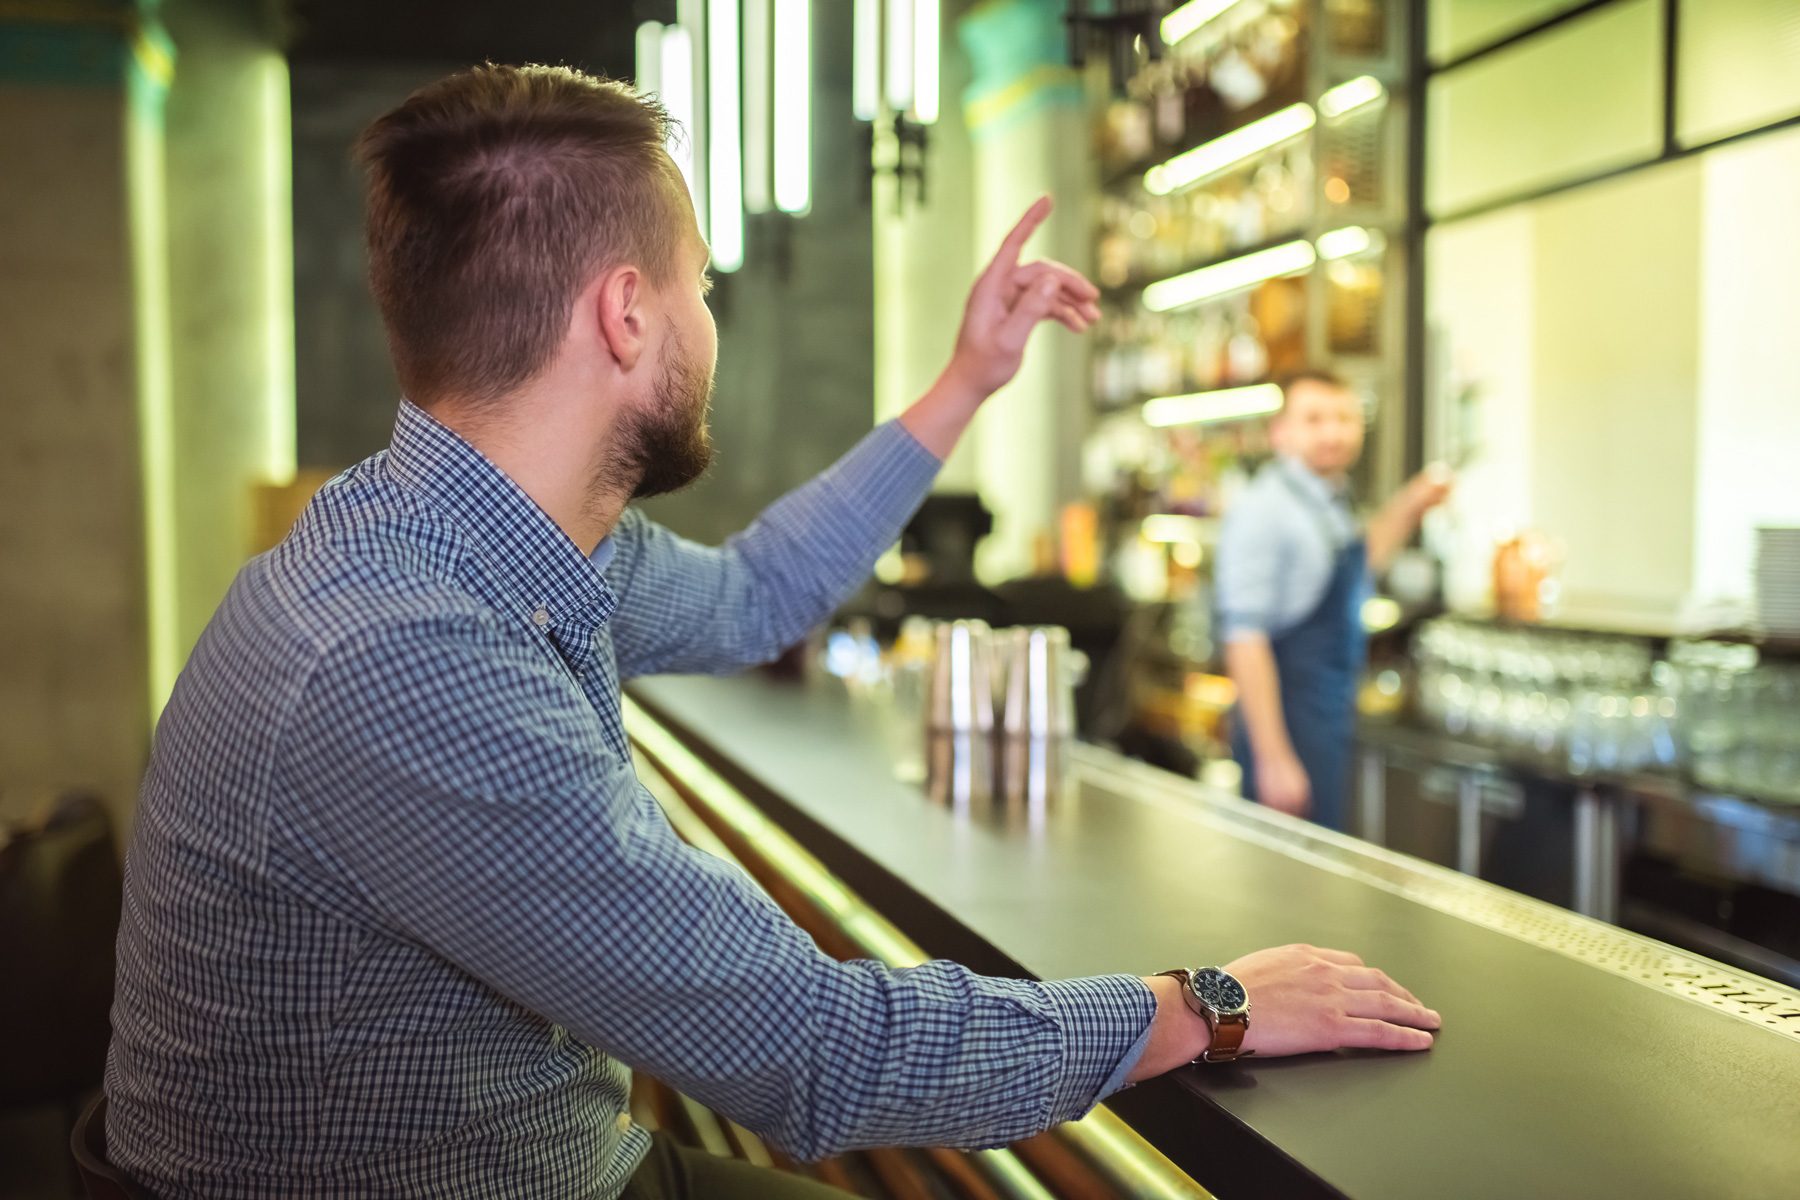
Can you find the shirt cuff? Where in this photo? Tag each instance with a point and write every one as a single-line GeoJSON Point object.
{"type": "Point", "coordinates": [1105, 1023]}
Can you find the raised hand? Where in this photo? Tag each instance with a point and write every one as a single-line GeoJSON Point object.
{"type": "Point", "coordinates": [1008, 301]}
{"type": "Point", "coordinates": [1431, 487]}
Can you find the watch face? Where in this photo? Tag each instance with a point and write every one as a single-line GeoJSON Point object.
{"type": "Point", "coordinates": [1219, 991]}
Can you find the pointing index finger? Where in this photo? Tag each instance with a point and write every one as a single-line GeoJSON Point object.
{"type": "Point", "coordinates": [1008, 255]}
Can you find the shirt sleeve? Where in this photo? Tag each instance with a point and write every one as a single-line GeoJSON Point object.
{"type": "Point", "coordinates": [691, 608]}
{"type": "Point", "coordinates": [1248, 572]}
{"type": "Point", "coordinates": [453, 780]}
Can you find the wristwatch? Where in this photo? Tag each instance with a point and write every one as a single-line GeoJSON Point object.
{"type": "Point", "coordinates": [1219, 1000]}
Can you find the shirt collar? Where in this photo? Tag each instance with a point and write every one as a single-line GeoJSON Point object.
{"type": "Point", "coordinates": [542, 571]}
{"type": "Point", "coordinates": [1317, 485]}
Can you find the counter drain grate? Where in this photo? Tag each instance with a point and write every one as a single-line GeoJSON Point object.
{"type": "Point", "coordinates": [1761, 1002]}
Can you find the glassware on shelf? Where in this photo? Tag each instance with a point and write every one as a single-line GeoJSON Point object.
{"type": "Point", "coordinates": [1247, 356]}
{"type": "Point", "coordinates": [1739, 719]}
{"type": "Point", "coordinates": [1127, 133]}
{"type": "Point", "coordinates": [1582, 699]}
{"type": "Point", "coordinates": [1600, 704]}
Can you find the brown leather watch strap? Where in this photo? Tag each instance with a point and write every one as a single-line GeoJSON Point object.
{"type": "Point", "coordinates": [1228, 1029]}
{"type": "Point", "coordinates": [1228, 1032]}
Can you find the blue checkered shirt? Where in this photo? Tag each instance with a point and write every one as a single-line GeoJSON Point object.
{"type": "Point", "coordinates": [399, 918]}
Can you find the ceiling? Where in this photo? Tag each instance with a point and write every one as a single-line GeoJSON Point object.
{"type": "Point", "coordinates": [597, 35]}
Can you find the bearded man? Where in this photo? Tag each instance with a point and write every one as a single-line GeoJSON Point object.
{"type": "Point", "coordinates": [400, 919]}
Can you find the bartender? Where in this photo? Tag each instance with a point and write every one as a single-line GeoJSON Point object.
{"type": "Point", "coordinates": [1293, 571]}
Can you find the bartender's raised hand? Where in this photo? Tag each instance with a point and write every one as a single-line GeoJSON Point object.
{"type": "Point", "coordinates": [1431, 487]}
{"type": "Point", "coordinates": [1282, 783]}
{"type": "Point", "coordinates": [1009, 300]}
{"type": "Point", "coordinates": [1305, 999]}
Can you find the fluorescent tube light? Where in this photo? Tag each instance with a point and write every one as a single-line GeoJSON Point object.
{"type": "Point", "coordinates": [1222, 153]}
{"type": "Point", "coordinates": [865, 88]}
{"type": "Point", "coordinates": [1190, 17]}
{"type": "Point", "coordinates": [925, 61]}
{"type": "Point", "coordinates": [649, 57]}
{"type": "Point", "coordinates": [758, 187]}
{"type": "Point", "coordinates": [725, 128]}
{"type": "Point", "coordinates": [677, 86]}
{"type": "Point", "coordinates": [1234, 275]}
{"type": "Point", "coordinates": [1349, 96]}
{"type": "Point", "coordinates": [793, 105]}
{"type": "Point", "coordinates": [1350, 241]}
{"type": "Point", "coordinates": [147, 193]}
{"type": "Point", "coordinates": [1202, 408]}
{"type": "Point", "coordinates": [898, 72]}
{"type": "Point", "coordinates": [278, 269]}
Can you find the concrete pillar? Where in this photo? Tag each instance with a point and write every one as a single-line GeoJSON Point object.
{"type": "Point", "coordinates": [1028, 123]}
{"type": "Point", "coordinates": [79, 104]}
{"type": "Point", "coordinates": [137, 378]}
{"type": "Point", "coordinates": [925, 259]}
{"type": "Point", "coordinates": [231, 290]}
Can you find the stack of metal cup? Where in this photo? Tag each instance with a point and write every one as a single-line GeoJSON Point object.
{"type": "Point", "coordinates": [970, 758]}
{"type": "Point", "coordinates": [959, 717]}
{"type": "Point", "coordinates": [1038, 719]}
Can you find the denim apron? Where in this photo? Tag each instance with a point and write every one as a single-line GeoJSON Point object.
{"type": "Point", "coordinates": [1318, 663]}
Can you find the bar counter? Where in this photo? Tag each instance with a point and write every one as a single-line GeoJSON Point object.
{"type": "Point", "coordinates": [1576, 1059]}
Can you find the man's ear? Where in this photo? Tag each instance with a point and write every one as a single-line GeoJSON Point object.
{"type": "Point", "coordinates": [619, 308]}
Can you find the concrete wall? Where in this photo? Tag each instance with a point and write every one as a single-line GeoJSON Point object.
{"type": "Point", "coordinates": [140, 381]}
{"type": "Point", "coordinates": [1576, 321]}
{"type": "Point", "coordinates": [1749, 420]}
{"type": "Point", "coordinates": [345, 388]}
{"type": "Point", "coordinates": [1638, 388]}
{"type": "Point", "coordinates": [1481, 280]}
{"type": "Point", "coordinates": [796, 377]}
{"type": "Point", "coordinates": [1617, 386]}
{"type": "Point", "coordinates": [73, 649]}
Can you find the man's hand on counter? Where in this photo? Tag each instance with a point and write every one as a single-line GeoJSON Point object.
{"type": "Point", "coordinates": [1008, 300]}
{"type": "Point", "coordinates": [1303, 999]}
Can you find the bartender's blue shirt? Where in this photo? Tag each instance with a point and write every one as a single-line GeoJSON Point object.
{"type": "Point", "coordinates": [1277, 547]}
{"type": "Point", "coordinates": [400, 919]}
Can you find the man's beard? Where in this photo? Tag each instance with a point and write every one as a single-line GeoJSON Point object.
{"type": "Point", "coordinates": [668, 447]}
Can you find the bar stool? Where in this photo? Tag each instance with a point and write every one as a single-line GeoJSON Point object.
{"type": "Point", "coordinates": [59, 920]}
{"type": "Point", "coordinates": [102, 1180]}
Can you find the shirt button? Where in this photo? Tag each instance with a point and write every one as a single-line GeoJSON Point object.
{"type": "Point", "coordinates": [541, 617]}
{"type": "Point", "coordinates": [623, 1123]}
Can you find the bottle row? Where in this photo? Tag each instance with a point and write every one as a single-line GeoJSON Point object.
{"type": "Point", "coordinates": [1240, 340]}
{"type": "Point", "coordinates": [1144, 237]}
{"type": "Point", "coordinates": [1207, 85]}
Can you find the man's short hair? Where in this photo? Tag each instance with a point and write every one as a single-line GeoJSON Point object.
{"type": "Point", "coordinates": [494, 196]}
{"type": "Point", "coordinates": [1317, 375]}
